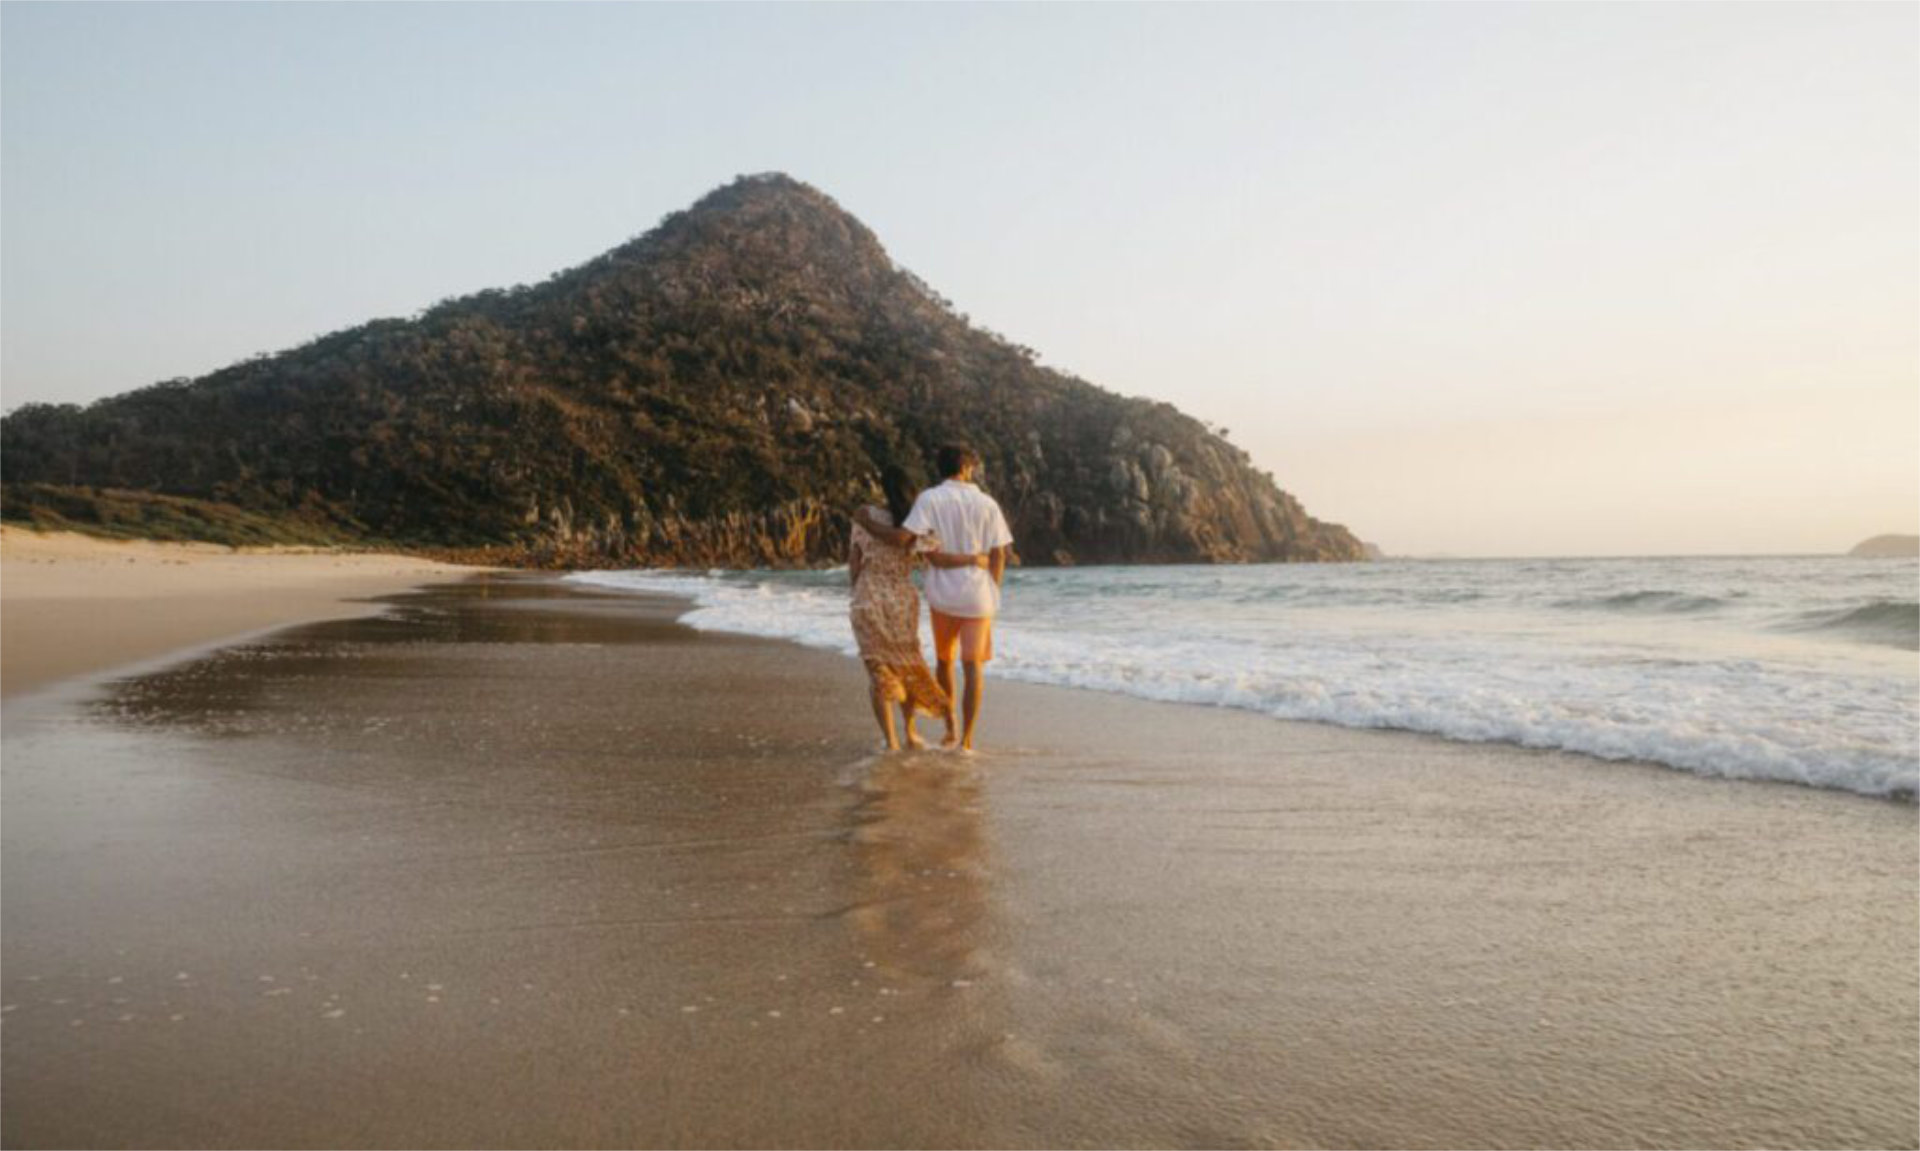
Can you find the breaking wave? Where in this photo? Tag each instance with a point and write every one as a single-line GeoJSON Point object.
{"type": "Point", "coordinates": [1647, 602]}
{"type": "Point", "coordinates": [1895, 623]}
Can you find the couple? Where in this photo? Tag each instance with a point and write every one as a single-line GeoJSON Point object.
{"type": "Point", "coordinates": [961, 534]}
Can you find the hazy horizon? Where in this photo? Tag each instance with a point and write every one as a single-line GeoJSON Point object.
{"type": "Point", "coordinates": [1491, 280]}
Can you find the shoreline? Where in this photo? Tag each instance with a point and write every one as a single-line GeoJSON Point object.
{"type": "Point", "coordinates": [1760, 715]}
{"type": "Point", "coordinates": [676, 606]}
{"type": "Point", "coordinates": [512, 816]}
{"type": "Point", "coordinates": [74, 606]}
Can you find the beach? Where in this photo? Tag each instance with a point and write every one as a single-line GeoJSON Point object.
{"type": "Point", "coordinates": [520, 863]}
{"type": "Point", "coordinates": [72, 604]}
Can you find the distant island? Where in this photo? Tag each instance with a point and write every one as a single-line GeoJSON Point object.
{"type": "Point", "coordinates": [722, 390]}
{"type": "Point", "coordinates": [1887, 547]}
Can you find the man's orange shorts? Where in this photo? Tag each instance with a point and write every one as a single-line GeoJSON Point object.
{"type": "Point", "coordinates": [973, 636]}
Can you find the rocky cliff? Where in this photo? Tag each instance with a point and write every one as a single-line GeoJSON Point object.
{"type": "Point", "coordinates": [719, 391]}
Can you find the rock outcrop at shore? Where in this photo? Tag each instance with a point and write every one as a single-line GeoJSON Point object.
{"type": "Point", "coordinates": [720, 391]}
{"type": "Point", "coordinates": [1887, 547]}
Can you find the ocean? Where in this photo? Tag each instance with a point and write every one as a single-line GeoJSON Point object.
{"type": "Point", "coordinates": [1800, 669]}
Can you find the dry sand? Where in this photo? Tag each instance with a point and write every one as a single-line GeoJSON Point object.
{"type": "Point", "coordinates": [519, 866]}
{"type": "Point", "coordinates": [73, 604]}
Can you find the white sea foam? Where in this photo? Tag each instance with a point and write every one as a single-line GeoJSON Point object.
{"type": "Point", "coordinates": [1711, 666]}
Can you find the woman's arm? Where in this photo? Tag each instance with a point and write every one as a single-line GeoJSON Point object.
{"type": "Point", "coordinates": [854, 564]}
{"type": "Point", "coordinates": [885, 533]}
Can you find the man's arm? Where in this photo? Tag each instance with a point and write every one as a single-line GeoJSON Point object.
{"type": "Point", "coordinates": [1001, 546]}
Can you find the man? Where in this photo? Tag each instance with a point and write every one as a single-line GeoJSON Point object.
{"type": "Point", "coordinates": [963, 600]}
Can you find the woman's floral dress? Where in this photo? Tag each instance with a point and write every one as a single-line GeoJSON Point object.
{"type": "Point", "coordinates": [886, 618]}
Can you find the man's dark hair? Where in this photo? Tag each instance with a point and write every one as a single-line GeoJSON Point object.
{"type": "Point", "coordinates": [953, 457]}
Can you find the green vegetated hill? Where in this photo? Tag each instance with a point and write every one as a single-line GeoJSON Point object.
{"type": "Point", "coordinates": [720, 391]}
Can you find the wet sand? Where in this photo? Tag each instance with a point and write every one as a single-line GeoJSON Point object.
{"type": "Point", "coordinates": [524, 866]}
{"type": "Point", "coordinates": [73, 604]}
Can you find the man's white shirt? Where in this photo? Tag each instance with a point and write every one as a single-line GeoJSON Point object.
{"type": "Point", "coordinates": [968, 521]}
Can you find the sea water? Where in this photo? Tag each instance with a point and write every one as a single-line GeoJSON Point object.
{"type": "Point", "coordinates": [1804, 669]}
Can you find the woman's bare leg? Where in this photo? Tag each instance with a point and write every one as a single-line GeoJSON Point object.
{"type": "Point", "coordinates": [882, 702]}
{"type": "Point", "coordinates": [909, 736]}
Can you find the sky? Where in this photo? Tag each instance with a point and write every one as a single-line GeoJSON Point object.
{"type": "Point", "coordinates": [1474, 279]}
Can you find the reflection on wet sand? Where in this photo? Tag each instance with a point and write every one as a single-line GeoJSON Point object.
{"type": "Point", "coordinates": [299, 671]}
{"type": "Point", "coordinates": [920, 849]}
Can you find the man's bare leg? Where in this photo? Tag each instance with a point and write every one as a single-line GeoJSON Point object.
{"type": "Point", "coordinates": [971, 706]}
{"type": "Point", "coordinates": [943, 674]}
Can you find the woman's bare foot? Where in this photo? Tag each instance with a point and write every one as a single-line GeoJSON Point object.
{"type": "Point", "coordinates": [914, 742]}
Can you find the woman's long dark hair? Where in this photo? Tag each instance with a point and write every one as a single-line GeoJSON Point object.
{"type": "Point", "coordinates": [899, 488]}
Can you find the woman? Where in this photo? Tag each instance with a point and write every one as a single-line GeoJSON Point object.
{"type": "Point", "coordinates": [886, 611]}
